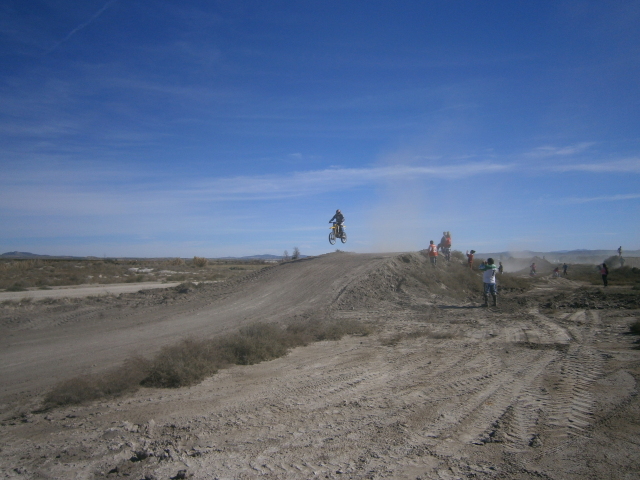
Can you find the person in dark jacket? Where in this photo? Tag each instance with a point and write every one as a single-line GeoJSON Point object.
{"type": "Point", "coordinates": [339, 219]}
{"type": "Point", "coordinates": [604, 271]}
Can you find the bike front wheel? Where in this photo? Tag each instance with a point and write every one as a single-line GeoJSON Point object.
{"type": "Point", "coordinates": [343, 238]}
{"type": "Point", "coordinates": [332, 238]}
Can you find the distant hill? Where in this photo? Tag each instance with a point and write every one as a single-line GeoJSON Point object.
{"type": "Point", "coordinates": [22, 255]}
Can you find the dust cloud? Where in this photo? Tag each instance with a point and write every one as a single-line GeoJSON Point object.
{"type": "Point", "coordinates": [397, 222]}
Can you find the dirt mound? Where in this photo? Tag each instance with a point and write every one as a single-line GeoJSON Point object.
{"type": "Point", "coordinates": [410, 279]}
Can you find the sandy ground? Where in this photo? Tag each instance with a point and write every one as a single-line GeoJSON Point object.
{"type": "Point", "coordinates": [78, 291]}
{"type": "Point", "coordinates": [544, 386]}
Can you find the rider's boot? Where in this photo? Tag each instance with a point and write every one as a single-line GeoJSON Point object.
{"type": "Point", "coordinates": [495, 300]}
{"type": "Point", "coordinates": [486, 301]}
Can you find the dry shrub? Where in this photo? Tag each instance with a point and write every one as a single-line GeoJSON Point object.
{"type": "Point", "coordinates": [17, 287]}
{"type": "Point", "coordinates": [85, 388]}
{"type": "Point", "coordinates": [200, 261]}
{"type": "Point", "coordinates": [256, 343]}
{"type": "Point", "coordinates": [190, 361]}
{"type": "Point", "coordinates": [176, 262]}
{"type": "Point", "coordinates": [186, 287]}
{"type": "Point", "coordinates": [185, 363]}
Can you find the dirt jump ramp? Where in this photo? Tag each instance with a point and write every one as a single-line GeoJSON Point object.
{"type": "Point", "coordinates": [48, 343]}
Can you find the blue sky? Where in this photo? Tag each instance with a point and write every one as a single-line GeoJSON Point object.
{"type": "Point", "coordinates": [165, 128]}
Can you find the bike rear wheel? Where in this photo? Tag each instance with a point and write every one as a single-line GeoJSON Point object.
{"type": "Point", "coordinates": [332, 238]}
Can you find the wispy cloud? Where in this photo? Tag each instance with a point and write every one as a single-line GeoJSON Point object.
{"type": "Point", "coordinates": [631, 165]}
{"type": "Point", "coordinates": [602, 198]}
{"type": "Point", "coordinates": [552, 151]}
{"type": "Point", "coordinates": [312, 182]}
{"type": "Point", "coordinates": [55, 195]}
{"type": "Point", "coordinates": [82, 25]}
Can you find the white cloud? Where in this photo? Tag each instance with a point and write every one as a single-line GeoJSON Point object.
{"type": "Point", "coordinates": [60, 195]}
{"type": "Point", "coordinates": [631, 165]}
{"type": "Point", "coordinates": [551, 151]}
{"type": "Point", "coordinates": [602, 198]}
{"type": "Point", "coordinates": [312, 182]}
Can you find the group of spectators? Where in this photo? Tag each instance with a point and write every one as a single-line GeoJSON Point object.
{"type": "Point", "coordinates": [490, 269]}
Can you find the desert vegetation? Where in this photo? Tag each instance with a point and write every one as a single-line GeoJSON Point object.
{"type": "Point", "coordinates": [22, 274]}
{"type": "Point", "coordinates": [191, 360]}
{"type": "Point", "coordinates": [617, 276]}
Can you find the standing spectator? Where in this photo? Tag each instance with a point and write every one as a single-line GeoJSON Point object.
{"type": "Point", "coordinates": [470, 258]}
{"type": "Point", "coordinates": [489, 281]}
{"type": "Point", "coordinates": [445, 245]}
{"type": "Point", "coordinates": [556, 272]}
{"type": "Point", "coordinates": [532, 272]}
{"type": "Point", "coordinates": [565, 267]}
{"type": "Point", "coordinates": [620, 251]}
{"type": "Point", "coordinates": [500, 268]}
{"type": "Point", "coordinates": [604, 271]}
{"type": "Point", "coordinates": [433, 253]}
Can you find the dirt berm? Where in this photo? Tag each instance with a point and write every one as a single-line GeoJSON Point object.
{"type": "Point", "coordinates": [543, 386]}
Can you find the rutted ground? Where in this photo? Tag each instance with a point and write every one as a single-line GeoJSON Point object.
{"type": "Point", "coordinates": [540, 387]}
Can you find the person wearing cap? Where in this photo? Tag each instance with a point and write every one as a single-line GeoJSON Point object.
{"type": "Point", "coordinates": [339, 219]}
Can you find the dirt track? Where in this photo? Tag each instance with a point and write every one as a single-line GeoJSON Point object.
{"type": "Point", "coordinates": [443, 390]}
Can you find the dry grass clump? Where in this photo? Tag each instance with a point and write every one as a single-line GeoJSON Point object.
{"type": "Point", "coordinates": [86, 388]}
{"type": "Point", "coordinates": [184, 363]}
{"type": "Point", "coordinates": [200, 262]}
{"type": "Point", "coordinates": [190, 361]}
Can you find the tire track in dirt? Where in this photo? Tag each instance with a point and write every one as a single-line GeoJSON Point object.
{"type": "Point", "coordinates": [571, 413]}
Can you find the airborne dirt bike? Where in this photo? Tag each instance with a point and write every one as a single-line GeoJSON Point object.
{"type": "Point", "coordinates": [337, 231]}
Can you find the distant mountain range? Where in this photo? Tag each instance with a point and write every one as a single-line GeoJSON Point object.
{"type": "Point", "coordinates": [31, 255]}
{"type": "Point", "coordinates": [573, 256]}
{"type": "Point", "coordinates": [23, 255]}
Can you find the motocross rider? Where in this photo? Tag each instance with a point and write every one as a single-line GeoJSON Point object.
{"type": "Point", "coordinates": [339, 219]}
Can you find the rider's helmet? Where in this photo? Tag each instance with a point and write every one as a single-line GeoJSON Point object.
{"type": "Point", "coordinates": [338, 211]}
{"type": "Point", "coordinates": [431, 242]}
